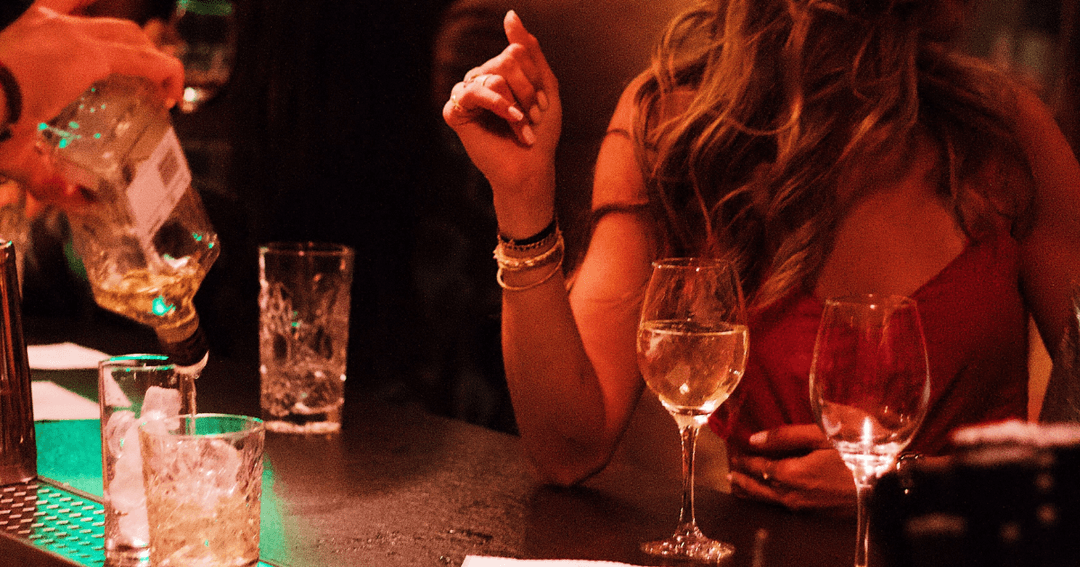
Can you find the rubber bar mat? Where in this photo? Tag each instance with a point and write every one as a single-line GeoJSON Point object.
{"type": "Point", "coordinates": [65, 524]}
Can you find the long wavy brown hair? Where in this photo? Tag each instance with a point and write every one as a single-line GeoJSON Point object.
{"type": "Point", "coordinates": [784, 96]}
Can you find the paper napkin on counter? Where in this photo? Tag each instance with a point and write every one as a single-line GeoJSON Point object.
{"type": "Point", "coordinates": [53, 402]}
{"type": "Point", "coordinates": [63, 356]}
{"type": "Point", "coordinates": [484, 561]}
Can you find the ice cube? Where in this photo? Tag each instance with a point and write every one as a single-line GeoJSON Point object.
{"type": "Point", "coordinates": [207, 470]}
{"type": "Point", "coordinates": [126, 485]}
{"type": "Point", "coordinates": [160, 403]}
{"type": "Point", "coordinates": [221, 464]}
{"type": "Point", "coordinates": [117, 429]}
{"type": "Point", "coordinates": [134, 524]}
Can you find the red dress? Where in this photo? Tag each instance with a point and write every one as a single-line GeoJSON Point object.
{"type": "Point", "coordinates": [977, 339]}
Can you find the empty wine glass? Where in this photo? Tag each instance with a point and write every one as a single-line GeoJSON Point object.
{"type": "Point", "coordinates": [203, 35]}
{"type": "Point", "coordinates": [692, 344]}
{"type": "Point", "coordinates": [869, 387]}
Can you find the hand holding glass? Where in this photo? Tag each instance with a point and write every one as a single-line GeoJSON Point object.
{"type": "Point", "coordinates": [869, 387]}
{"type": "Point", "coordinates": [692, 344]}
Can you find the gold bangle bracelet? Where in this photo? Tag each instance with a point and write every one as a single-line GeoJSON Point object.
{"type": "Point", "coordinates": [511, 263]}
{"type": "Point", "coordinates": [556, 268]}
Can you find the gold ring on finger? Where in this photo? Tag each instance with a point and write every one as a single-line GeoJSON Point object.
{"type": "Point", "coordinates": [457, 105]}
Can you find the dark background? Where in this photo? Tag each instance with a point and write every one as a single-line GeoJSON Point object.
{"type": "Point", "coordinates": [329, 130]}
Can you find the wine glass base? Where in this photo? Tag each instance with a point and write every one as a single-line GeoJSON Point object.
{"type": "Point", "coordinates": [691, 548]}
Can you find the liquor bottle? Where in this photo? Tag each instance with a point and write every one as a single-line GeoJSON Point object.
{"type": "Point", "coordinates": [144, 238]}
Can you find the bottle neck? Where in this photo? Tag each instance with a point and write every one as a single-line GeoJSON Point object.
{"type": "Point", "coordinates": [189, 352]}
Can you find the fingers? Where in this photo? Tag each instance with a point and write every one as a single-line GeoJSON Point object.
{"type": "Point", "coordinates": [45, 184]}
{"type": "Point", "coordinates": [478, 97]}
{"type": "Point", "coordinates": [790, 440]}
{"type": "Point", "coordinates": [510, 93]}
{"type": "Point", "coordinates": [63, 6]}
{"type": "Point", "coordinates": [793, 499]}
{"type": "Point", "coordinates": [517, 34]}
{"type": "Point", "coordinates": [116, 30]}
{"type": "Point", "coordinates": [764, 480]}
{"type": "Point", "coordinates": [165, 71]}
{"type": "Point", "coordinates": [817, 480]}
{"type": "Point", "coordinates": [132, 52]}
{"type": "Point", "coordinates": [762, 469]}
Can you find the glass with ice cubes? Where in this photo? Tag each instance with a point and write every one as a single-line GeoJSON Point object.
{"type": "Point", "coordinates": [203, 478]}
{"type": "Point", "coordinates": [131, 388]}
{"type": "Point", "coordinates": [304, 299]}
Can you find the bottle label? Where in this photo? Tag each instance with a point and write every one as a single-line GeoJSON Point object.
{"type": "Point", "coordinates": [158, 185]}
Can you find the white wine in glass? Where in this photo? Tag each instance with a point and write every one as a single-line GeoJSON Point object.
{"type": "Point", "coordinates": [869, 387]}
{"type": "Point", "coordinates": [692, 345]}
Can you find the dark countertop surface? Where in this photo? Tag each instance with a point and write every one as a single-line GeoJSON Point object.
{"type": "Point", "coordinates": [400, 487]}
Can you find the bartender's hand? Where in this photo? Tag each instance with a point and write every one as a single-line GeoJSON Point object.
{"type": "Point", "coordinates": [508, 116]}
{"type": "Point", "coordinates": [54, 57]}
{"type": "Point", "coordinates": [794, 466]}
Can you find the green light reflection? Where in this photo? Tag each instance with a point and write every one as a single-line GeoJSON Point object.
{"type": "Point", "coordinates": [161, 307]}
{"type": "Point", "coordinates": [69, 452]}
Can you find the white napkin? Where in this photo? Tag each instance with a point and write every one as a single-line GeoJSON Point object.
{"type": "Point", "coordinates": [63, 356]}
{"type": "Point", "coordinates": [484, 561]}
{"type": "Point", "coordinates": [53, 402]}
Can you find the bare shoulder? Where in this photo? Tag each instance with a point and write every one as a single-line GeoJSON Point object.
{"type": "Point", "coordinates": [618, 179]}
{"type": "Point", "coordinates": [668, 107]}
{"type": "Point", "coordinates": [1051, 248]}
{"type": "Point", "coordinates": [626, 111]}
{"type": "Point", "coordinates": [1046, 148]}
{"type": "Point", "coordinates": [619, 166]}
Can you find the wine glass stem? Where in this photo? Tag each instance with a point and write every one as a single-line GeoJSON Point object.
{"type": "Point", "coordinates": [862, 535]}
{"type": "Point", "coordinates": [688, 434]}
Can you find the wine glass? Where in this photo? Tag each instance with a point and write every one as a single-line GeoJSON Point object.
{"type": "Point", "coordinates": [203, 35]}
{"type": "Point", "coordinates": [692, 342]}
{"type": "Point", "coordinates": [869, 387]}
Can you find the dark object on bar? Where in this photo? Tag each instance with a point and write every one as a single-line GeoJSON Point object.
{"type": "Point", "coordinates": [18, 447]}
{"type": "Point", "coordinates": [1062, 400]}
{"type": "Point", "coordinates": [1009, 496]}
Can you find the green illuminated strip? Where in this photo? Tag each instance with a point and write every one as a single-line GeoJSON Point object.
{"type": "Point", "coordinates": [206, 7]}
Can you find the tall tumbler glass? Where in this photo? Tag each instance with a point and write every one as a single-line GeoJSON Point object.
{"type": "Point", "coordinates": [304, 300]}
{"type": "Point", "coordinates": [131, 388]}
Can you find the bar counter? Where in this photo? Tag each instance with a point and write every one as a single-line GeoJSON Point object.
{"type": "Point", "coordinates": [400, 487]}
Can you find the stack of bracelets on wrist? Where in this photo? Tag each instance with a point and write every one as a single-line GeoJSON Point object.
{"type": "Point", "coordinates": [544, 250]}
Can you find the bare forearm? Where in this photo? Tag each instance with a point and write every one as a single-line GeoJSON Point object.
{"type": "Point", "coordinates": [557, 398]}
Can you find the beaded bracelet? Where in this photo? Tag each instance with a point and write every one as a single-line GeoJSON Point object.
{"type": "Point", "coordinates": [13, 97]}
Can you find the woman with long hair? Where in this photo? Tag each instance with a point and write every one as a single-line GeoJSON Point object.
{"type": "Point", "coordinates": [826, 147]}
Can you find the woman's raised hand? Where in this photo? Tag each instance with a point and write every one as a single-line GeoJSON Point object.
{"type": "Point", "coordinates": [508, 116]}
